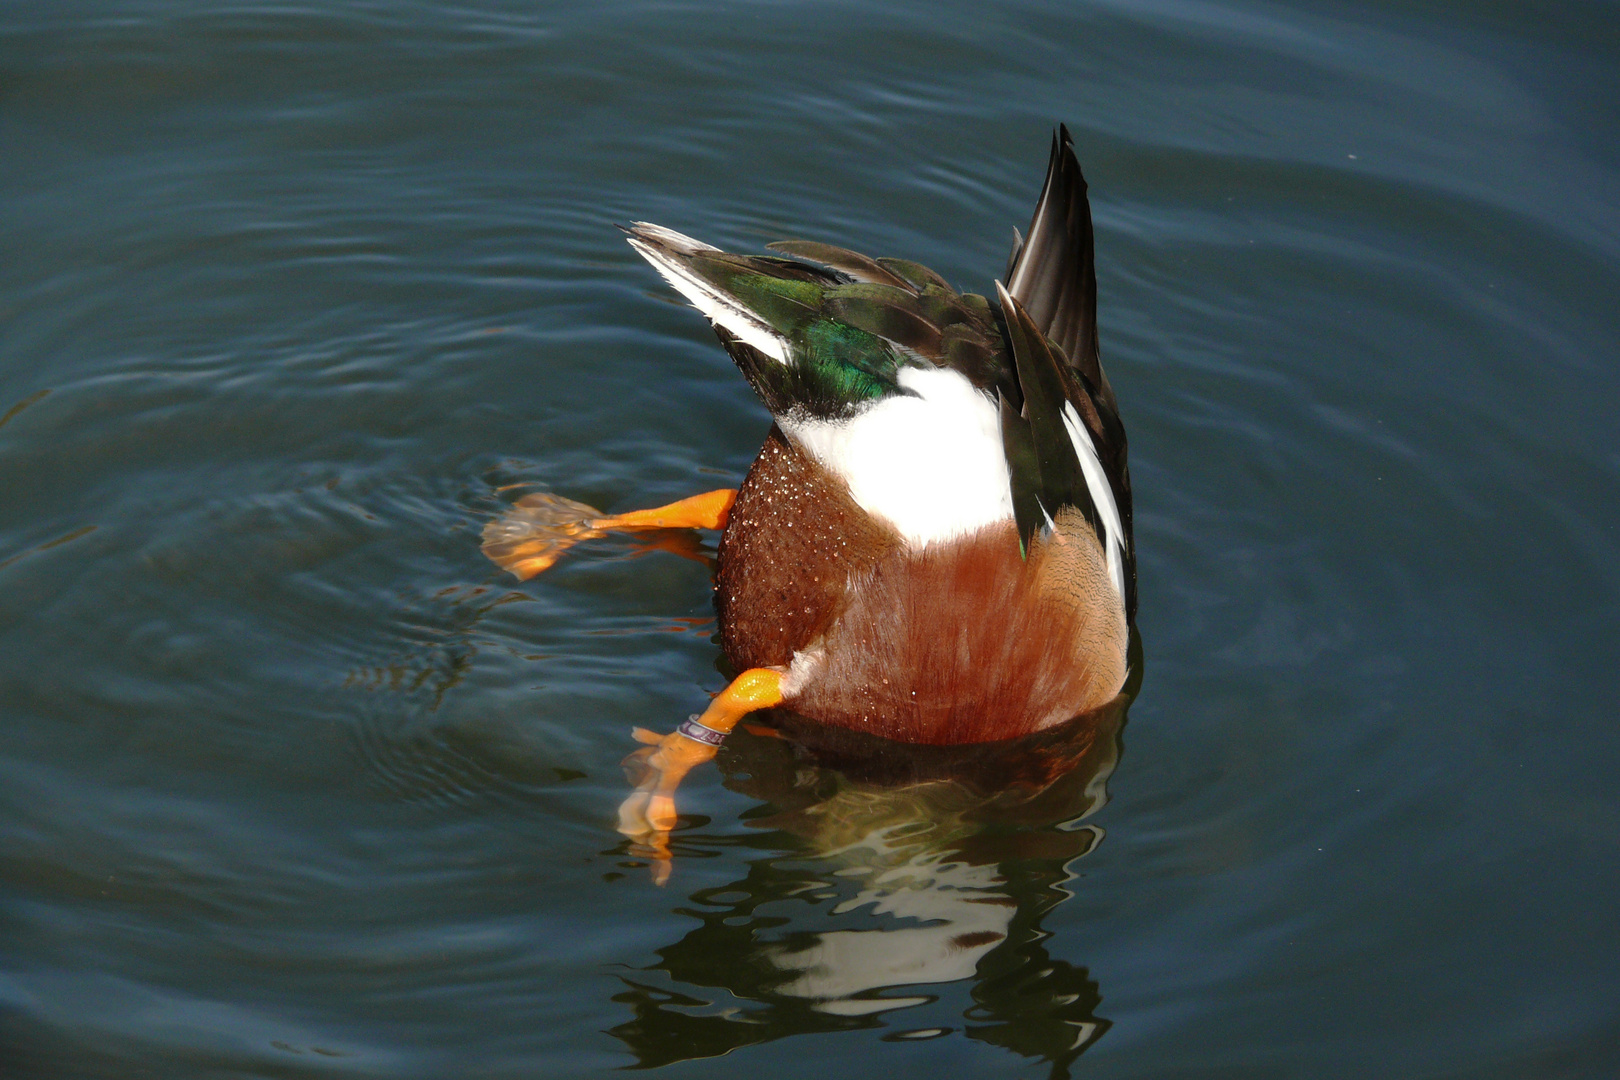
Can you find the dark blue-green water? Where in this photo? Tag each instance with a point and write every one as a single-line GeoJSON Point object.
{"type": "Point", "coordinates": [294, 783]}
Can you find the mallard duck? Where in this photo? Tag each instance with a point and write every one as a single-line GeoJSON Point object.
{"type": "Point", "coordinates": [933, 545]}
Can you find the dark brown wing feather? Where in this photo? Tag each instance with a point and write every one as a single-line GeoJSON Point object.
{"type": "Point", "coordinates": [858, 266]}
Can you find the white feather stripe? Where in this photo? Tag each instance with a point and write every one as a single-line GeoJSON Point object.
{"type": "Point", "coordinates": [1102, 495]}
{"type": "Point", "coordinates": [721, 310]}
{"type": "Point", "coordinates": [930, 462]}
{"type": "Point", "coordinates": [679, 241]}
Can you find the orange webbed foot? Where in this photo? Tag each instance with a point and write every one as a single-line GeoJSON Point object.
{"type": "Point", "coordinates": [658, 768]}
{"type": "Point", "coordinates": [538, 528]}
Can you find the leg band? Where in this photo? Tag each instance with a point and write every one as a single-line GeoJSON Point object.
{"type": "Point", "coordinates": [693, 729]}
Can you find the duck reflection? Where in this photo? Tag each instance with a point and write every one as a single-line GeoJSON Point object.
{"type": "Point", "coordinates": [888, 872]}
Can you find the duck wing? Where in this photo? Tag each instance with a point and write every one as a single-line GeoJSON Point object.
{"type": "Point", "coordinates": [821, 341]}
{"type": "Point", "coordinates": [823, 332]}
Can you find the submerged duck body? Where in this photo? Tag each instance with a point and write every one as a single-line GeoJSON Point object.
{"type": "Point", "coordinates": [934, 541]}
{"type": "Point", "coordinates": [934, 544]}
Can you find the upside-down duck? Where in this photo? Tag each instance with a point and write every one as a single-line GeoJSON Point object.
{"type": "Point", "coordinates": [933, 545]}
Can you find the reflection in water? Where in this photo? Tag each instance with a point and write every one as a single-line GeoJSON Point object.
{"type": "Point", "coordinates": [890, 872]}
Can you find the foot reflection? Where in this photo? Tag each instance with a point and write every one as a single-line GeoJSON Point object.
{"type": "Point", "coordinates": [889, 876]}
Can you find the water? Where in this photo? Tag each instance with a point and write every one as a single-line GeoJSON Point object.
{"type": "Point", "coordinates": [293, 783]}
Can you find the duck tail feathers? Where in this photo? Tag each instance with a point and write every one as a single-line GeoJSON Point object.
{"type": "Point", "coordinates": [1053, 272]}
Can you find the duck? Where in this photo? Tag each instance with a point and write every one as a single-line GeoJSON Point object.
{"type": "Point", "coordinates": [933, 546]}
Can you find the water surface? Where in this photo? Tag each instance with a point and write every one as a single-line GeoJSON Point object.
{"type": "Point", "coordinates": [294, 298]}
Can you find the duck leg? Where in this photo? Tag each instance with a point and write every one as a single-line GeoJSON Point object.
{"type": "Point", "coordinates": [657, 769]}
{"type": "Point", "coordinates": [538, 528]}
{"type": "Point", "coordinates": [707, 511]}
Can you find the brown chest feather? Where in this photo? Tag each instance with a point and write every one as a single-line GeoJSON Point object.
{"type": "Point", "coordinates": [956, 643]}
{"type": "Point", "coordinates": [793, 539]}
